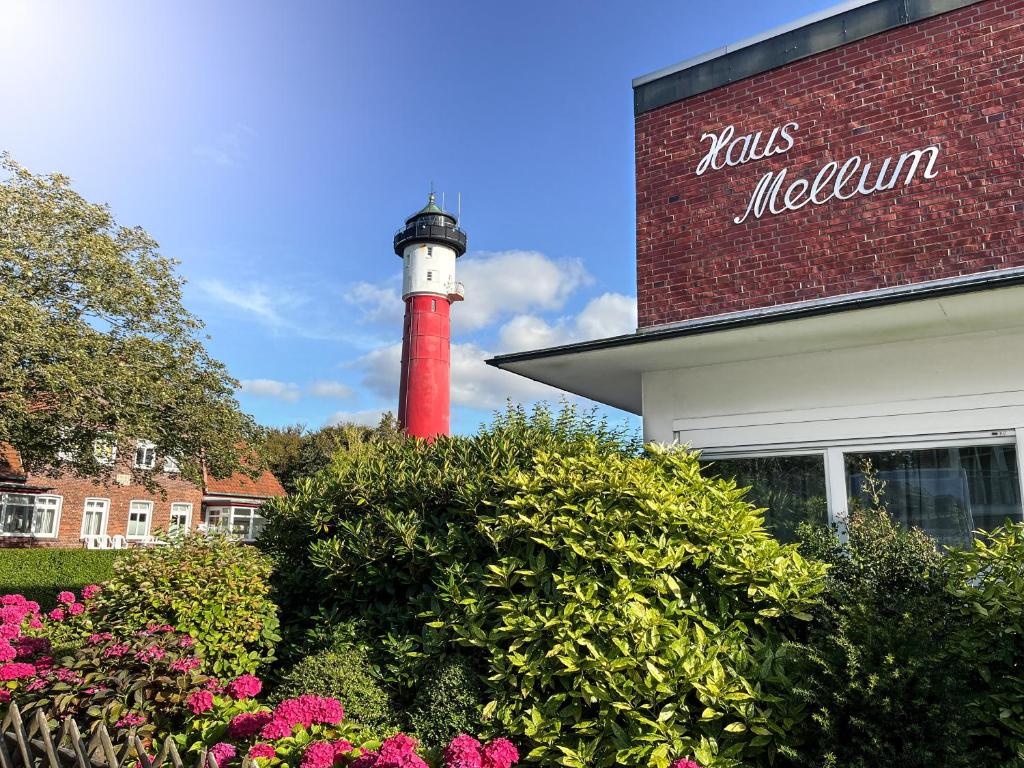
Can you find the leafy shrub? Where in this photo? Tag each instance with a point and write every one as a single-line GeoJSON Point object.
{"type": "Point", "coordinates": [214, 589]}
{"type": "Point", "coordinates": [885, 674]}
{"type": "Point", "coordinates": [40, 574]}
{"type": "Point", "coordinates": [628, 610]}
{"type": "Point", "coordinates": [987, 586]}
{"type": "Point", "coordinates": [449, 702]}
{"type": "Point", "coordinates": [344, 674]}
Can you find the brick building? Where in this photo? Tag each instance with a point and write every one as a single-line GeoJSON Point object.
{"type": "Point", "coordinates": [69, 511]}
{"type": "Point", "coordinates": [830, 220]}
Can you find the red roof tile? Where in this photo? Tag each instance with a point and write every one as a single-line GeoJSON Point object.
{"type": "Point", "coordinates": [242, 485]}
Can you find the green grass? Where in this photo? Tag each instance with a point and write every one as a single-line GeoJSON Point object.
{"type": "Point", "coordinates": [39, 574]}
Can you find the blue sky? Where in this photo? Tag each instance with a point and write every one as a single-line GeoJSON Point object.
{"type": "Point", "coordinates": [274, 148]}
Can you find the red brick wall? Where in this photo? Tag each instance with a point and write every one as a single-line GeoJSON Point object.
{"type": "Point", "coordinates": [955, 80]}
{"type": "Point", "coordinates": [75, 491]}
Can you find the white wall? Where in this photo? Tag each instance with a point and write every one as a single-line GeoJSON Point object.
{"type": "Point", "coordinates": [956, 383]}
{"type": "Point", "coordinates": [418, 266]}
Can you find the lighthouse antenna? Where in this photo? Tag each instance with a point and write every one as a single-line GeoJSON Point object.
{"type": "Point", "coordinates": [458, 214]}
{"type": "Point", "coordinates": [442, 201]}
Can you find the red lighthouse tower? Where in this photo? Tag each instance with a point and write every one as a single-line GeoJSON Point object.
{"type": "Point", "coordinates": [429, 244]}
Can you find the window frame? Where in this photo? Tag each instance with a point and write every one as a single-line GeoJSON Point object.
{"type": "Point", "coordinates": [106, 516]}
{"type": "Point", "coordinates": [834, 455]}
{"type": "Point", "coordinates": [188, 516]}
{"type": "Point", "coordinates": [149, 520]}
{"type": "Point", "coordinates": [35, 499]}
{"type": "Point", "coordinates": [226, 519]}
{"type": "Point", "coordinates": [145, 446]}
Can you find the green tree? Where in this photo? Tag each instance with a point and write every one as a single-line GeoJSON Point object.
{"type": "Point", "coordinates": [95, 344]}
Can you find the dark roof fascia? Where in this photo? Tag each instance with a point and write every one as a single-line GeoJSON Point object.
{"type": "Point", "coordinates": [808, 37]}
{"type": "Point", "coordinates": [817, 308]}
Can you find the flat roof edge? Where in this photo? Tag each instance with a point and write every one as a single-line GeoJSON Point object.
{"type": "Point", "coordinates": [815, 33]}
{"type": "Point", "coordinates": [1002, 278]}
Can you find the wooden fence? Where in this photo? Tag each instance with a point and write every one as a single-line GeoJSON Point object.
{"type": "Point", "coordinates": [39, 744]}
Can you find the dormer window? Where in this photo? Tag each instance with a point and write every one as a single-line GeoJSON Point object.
{"type": "Point", "coordinates": [145, 455]}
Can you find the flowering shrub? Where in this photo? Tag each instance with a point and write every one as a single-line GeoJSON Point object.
{"type": "Point", "coordinates": [205, 585]}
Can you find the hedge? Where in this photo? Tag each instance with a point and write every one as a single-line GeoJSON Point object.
{"type": "Point", "coordinates": [39, 574]}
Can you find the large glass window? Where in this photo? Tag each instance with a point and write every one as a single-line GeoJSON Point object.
{"type": "Point", "coordinates": [94, 517]}
{"type": "Point", "coordinates": [26, 515]}
{"type": "Point", "coordinates": [791, 489]}
{"type": "Point", "coordinates": [139, 515]}
{"type": "Point", "coordinates": [181, 518]}
{"type": "Point", "coordinates": [947, 492]}
{"type": "Point", "coordinates": [245, 522]}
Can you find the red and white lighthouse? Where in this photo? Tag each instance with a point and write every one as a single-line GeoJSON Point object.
{"type": "Point", "coordinates": [429, 244]}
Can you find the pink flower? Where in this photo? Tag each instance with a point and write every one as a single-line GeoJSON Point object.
{"type": "Point", "coordinates": [463, 752]}
{"type": "Point", "coordinates": [100, 637]}
{"type": "Point", "coordinates": [129, 720]}
{"type": "Point", "coordinates": [15, 670]}
{"type": "Point", "coordinates": [57, 614]}
{"type": "Point", "coordinates": [35, 623]}
{"type": "Point", "coordinates": [200, 701]}
{"type": "Point", "coordinates": [399, 751]}
{"type": "Point", "coordinates": [186, 641]}
{"type": "Point", "coordinates": [7, 651]}
{"type": "Point", "coordinates": [89, 592]}
{"type": "Point", "coordinates": [66, 597]}
{"type": "Point", "coordinates": [500, 753]}
{"type": "Point", "coordinates": [685, 762]}
{"type": "Point", "coordinates": [14, 614]}
{"type": "Point", "coordinates": [150, 653]}
{"type": "Point", "coordinates": [185, 664]}
{"type": "Point", "coordinates": [276, 729]}
{"type": "Point", "coordinates": [76, 608]}
{"type": "Point", "coordinates": [36, 685]}
{"type": "Point", "coordinates": [214, 685]}
{"type": "Point", "coordinates": [319, 754]}
{"type": "Point", "coordinates": [5, 696]}
{"type": "Point", "coordinates": [222, 752]}
{"type": "Point", "coordinates": [365, 760]}
{"type": "Point", "coordinates": [31, 606]}
{"type": "Point", "coordinates": [307, 709]}
{"type": "Point", "coordinates": [247, 724]}
{"type": "Point", "coordinates": [117, 649]}
{"type": "Point", "coordinates": [9, 631]}
{"type": "Point", "coordinates": [262, 749]}
{"type": "Point", "coordinates": [12, 599]}
{"type": "Point", "coordinates": [31, 646]}
{"type": "Point", "coordinates": [245, 687]}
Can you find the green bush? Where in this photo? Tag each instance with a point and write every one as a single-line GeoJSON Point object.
{"type": "Point", "coordinates": [344, 674]}
{"type": "Point", "coordinates": [39, 574]}
{"type": "Point", "coordinates": [627, 610]}
{"type": "Point", "coordinates": [213, 588]}
{"type": "Point", "coordinates": [987, 585]}
{"type": "Point", "coordinates": [449, 702]}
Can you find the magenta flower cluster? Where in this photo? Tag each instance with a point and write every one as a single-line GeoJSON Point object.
{"type": "Point", "coordinates": [397, 752]}
{"type": "Point", "coordinates": [304, 711]}
{"type": "Point", "coordinates": [685, 762]}
{"type": "Point", "coordinates": [324, 754]}
{"type": "Point", "coordinates": [466, 752]}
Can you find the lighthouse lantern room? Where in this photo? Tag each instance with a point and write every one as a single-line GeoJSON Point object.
{"type": "Point", "coordinates": [429, 244]}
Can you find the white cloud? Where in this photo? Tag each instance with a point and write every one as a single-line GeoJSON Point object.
{"type": "Point", "coordinates": [380, 303]}
{"type": "Point", "coordinates": [331, 389]}
{"type": "Point", "coordinates": [367, 418]}
{"type": "Point", "coordinates": [255, 299]}
{"type": "Point", "coordinates": [610, 314]}
{"type": "Point", "coordinates": [474, 384]}
{"type": "Point", "coordinates": [280, 390]}
{"type": "Point", "coordinates": [511, 282]}
{"type": "Point", "coordinates": [229, 148]}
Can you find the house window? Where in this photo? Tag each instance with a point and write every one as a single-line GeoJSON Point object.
{"type": "Point", "coordinates": [140, 514]}
{"type": "Point", "coordinates": [94, 517]}
{"type": "Point", "coordinates": [245, 522]}
{"type": "Point", "coordinates": [430, 251]}
{"type": "Point", "coordinates": [181, 518]}
{"type": "Point", "coordinates": [949, 486]}
{"type": "Point", "coordinates": [430, 276]}
{"type": "Point", "coordinates": [433, 305]}
{"type": "Point", "coordinates": [105, 452]}
{"type": "Point", "coordinates": [790, 489]}
{"type": "Point", "coordinates": [25, 515]}
{"type": "Point", "coordinates": [171, 465]}
{"type": "Point", "coordinates": [145, 455]}
{"type": "Point", "coordinates": [948, 492]}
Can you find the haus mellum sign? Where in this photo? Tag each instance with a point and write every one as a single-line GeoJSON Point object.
{"type": "Point", "coordinates": [776, 192]}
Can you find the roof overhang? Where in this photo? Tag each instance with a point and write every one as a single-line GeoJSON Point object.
{"type": "Point", "coordinates": [610, 371]}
